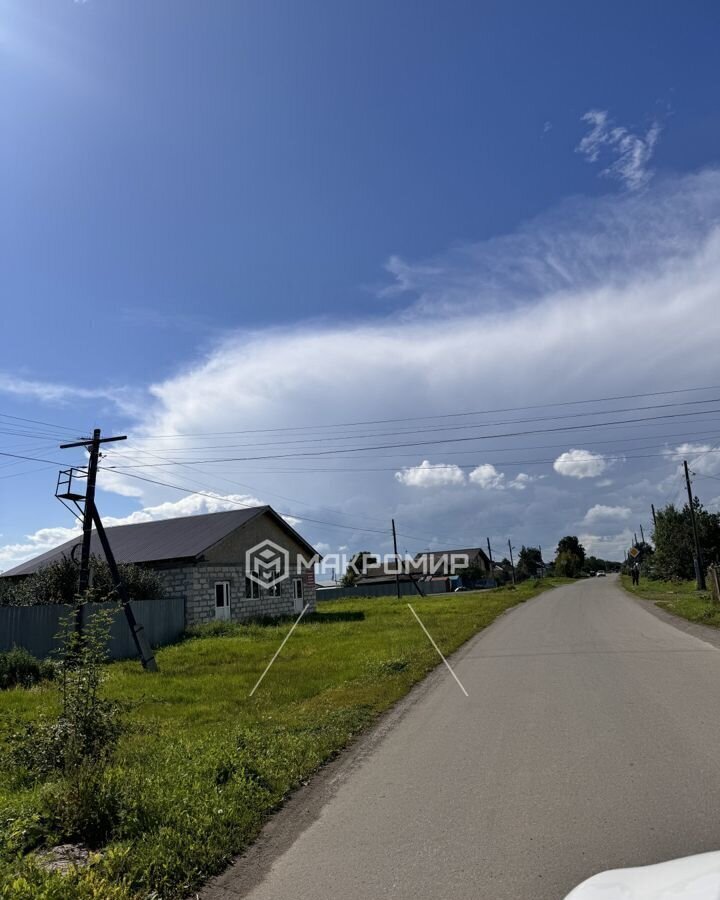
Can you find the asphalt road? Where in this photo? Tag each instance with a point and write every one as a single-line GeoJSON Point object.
{"type": "Point", "coordinates": [590, 740]}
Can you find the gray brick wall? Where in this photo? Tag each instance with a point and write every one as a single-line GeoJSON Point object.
{"type": "Point", "coordinates": [195, 583]}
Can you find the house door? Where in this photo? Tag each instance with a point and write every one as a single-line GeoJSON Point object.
{"type": "Point", "coordinates": [222, 599]}
{"type": "Point", "coordinates": [298, 595]}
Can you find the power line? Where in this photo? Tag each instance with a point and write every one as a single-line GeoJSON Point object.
{"type": "Point", "coordinates": [319, 453]}
{"type": "Point", "coordinates": [445, 415]}
{"type": "Point", "coordinates": [215, 496]}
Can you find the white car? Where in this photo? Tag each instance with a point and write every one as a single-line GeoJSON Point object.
{"type": "Point", "coordinates": [692, 878]}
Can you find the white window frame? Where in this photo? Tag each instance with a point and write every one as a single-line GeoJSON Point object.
{"type": "Point", "coordinates": [226, 591]}
{"type": "Point", "coordinates": [298, 594]}
{"type": "Point", "coordinates": [254, 588]}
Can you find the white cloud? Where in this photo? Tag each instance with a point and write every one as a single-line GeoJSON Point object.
{"type": "Point", "coordinates": [122, 398]}
{"type": "Point", "coordinates": [580, 464]}
{"type": "Point", "coordinates": [701, 458]}
{"type": "Point", "coordinates": [35, 544]}
{"type": "Point", "coordinates": [630, 153]}
{"type": "Point", "coordinates": [487, 477]}
{"type": "Point", "coordinates": [613, 547]}
{"type": "Point", "coordinates": [429, 474]}
{"type": "Point", "coordinates": [601, 513]}
{"type": "Point", "coordinates": [191, 505]}
{"type": "Point", "coordinates": [597, 294]}
{"type": "Point", "coordinates": [522, 480]}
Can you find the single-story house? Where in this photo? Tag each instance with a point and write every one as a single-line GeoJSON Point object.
{"type": "Point", "coordinates": [233, 565]}
{"type": "Point", "coordinates": [444, 566]}
{"type": "Point", "coordinates": [452, 563]}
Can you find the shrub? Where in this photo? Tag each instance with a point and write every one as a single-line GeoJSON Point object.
{"type": "Point", "coordinates": [73, 751]}
{"type": "Point", "coordinates": [58, 583]}
{"type": "Point", "coordinates": [19, 668]}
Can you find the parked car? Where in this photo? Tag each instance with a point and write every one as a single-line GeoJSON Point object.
{"type": "Point", "coordinates": [599, 574]}
{"type": "Point", "coordinates": [693, 878]}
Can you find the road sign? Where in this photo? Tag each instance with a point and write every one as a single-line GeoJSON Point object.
{"type": "Point", "coordinates": [634, 552]}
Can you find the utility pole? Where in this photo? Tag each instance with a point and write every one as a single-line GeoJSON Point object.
{"type": "Point", "coordinates": [93, 446]}
{"type": "Point", "coordinates": [635, 536]}
{"type": "Point", "coordinates": [642, 533]}
{"type": "Point", "coordinates": [699, 567]}
{"type": "Point", "coordinates": [512, 562]}
{"type": "Point", "coordinates": [652, 507]}
{"type": "Point", "coordinates": [91, 517]}
{"type": "Point", "coordinates": [397, 560]}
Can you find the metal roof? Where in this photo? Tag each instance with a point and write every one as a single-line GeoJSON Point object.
{"type": "Point", "coordinates": [185, 537]}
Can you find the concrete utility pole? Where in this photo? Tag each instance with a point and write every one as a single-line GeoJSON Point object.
{"type": "Point", "coordinates": [490, 556]}
{"type": "Point", "coordinates": [397, 561]}
{"type": "Point", "coordinates": [699, 567]}
{"type": "Point", "coordinates": [512, 562]}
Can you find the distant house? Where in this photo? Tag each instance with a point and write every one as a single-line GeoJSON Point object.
{"type": "Point", "coordinates": [451, 563]}
{"type": "Point", "coordinates": [445, 566]}
{"type": "Point", "coordinates": [204, 560]}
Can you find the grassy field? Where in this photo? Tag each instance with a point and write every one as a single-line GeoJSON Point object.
{"type": "Point", "coordinates": [204, 764]}
{"type": "Point", "coordinates": [680, 598]}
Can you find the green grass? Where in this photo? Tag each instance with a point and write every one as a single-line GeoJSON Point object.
{"type": "Point", "coordinates": [678, 597]}
{"type": "Point", "coordinates": [204, 764]}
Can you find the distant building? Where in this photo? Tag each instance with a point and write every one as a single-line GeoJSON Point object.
{"type": "Point", "coordinates": [202, 559]}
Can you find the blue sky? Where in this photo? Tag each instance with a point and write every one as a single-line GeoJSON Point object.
{"type": "Point", "coordinates": [194, 192]}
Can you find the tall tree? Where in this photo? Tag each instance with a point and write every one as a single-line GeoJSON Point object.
{"type": "Point", "coordinates": [529, 563]}
{"type": "Point", "coordinates": [674, 543]}
{"type": "Point", "coordinates": [571, 544]}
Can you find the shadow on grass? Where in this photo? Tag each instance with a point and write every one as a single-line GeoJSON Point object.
{"type": "Point", "coordinates": [328, 618]}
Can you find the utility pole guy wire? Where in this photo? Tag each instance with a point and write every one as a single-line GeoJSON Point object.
{"type": "Point", "coordinates": [277, 652]}
{"type": "Point", "coordinates": [439, 651]}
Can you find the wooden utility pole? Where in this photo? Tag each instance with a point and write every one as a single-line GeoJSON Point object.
{"type": "Point", "coordinates": [91, 517]}
{"type": "Point", "coordinates": [642, 534]}
{"type": "Point", "coordinates": [512, 561]}
{"type": "Point", "coordinates": [652, 507]}
{"type": "Point", "coordinates": [699, 566]}
{"type": "Point", "coordinates": [397, 560]}
{"type": "Point", "coordinates": [93, 446]}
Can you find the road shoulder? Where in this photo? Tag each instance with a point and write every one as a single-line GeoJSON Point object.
{"type": "Point", "coordinates": [702, 632]}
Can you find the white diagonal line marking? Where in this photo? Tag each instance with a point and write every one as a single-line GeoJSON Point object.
{"type": "Point", "coordinates": [450, 668]}
{"type": "Point", "coordinates": [277, 652]}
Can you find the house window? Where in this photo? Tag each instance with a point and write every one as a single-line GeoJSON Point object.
{"type": "Point", "coordinates": [222, 599]}
{"type": "Point", "coordinates": [297, 589]}
{"type": "Point", "coordinates": [252, 588]}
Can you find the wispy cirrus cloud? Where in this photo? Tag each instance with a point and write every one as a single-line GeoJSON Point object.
{"type": "Point", "coordinates": [592, 299]}
{"type": "Point", "coordinates": [123, 398]}
{"type": "Point", "coordinates": [628, 155]}
{"type": "Point", "coordinates": [582, 245]}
